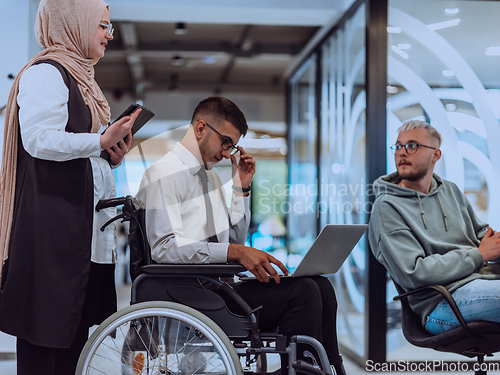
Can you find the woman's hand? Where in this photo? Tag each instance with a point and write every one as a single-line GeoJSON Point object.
{"type": "Point", "coordinates": [119, 150]}
{"type": "Point", "coordinates": [117, 138]}
{"type": "Point", "coordinates": [118, 130]}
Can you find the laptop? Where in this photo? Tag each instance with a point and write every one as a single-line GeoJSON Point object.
{"type": "Point", "coordinates": [328, 252]}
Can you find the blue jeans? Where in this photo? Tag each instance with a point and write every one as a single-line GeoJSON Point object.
{"type": "Point", "coordinates": [477, 300]}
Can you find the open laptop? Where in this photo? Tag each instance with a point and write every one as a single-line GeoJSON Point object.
{"type": "Point", "coordinates": [329, 250]}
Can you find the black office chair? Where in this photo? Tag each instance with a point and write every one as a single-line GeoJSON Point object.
{"type": "Point", "coordinates": [475, 339]}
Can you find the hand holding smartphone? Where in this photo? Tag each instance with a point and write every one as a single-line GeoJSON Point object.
{"type": "Point", "coordinates": [144, 116]}
{"type": "Point", "coordinates": [141, 120]}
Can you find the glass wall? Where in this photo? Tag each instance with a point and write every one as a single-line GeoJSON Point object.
{"type": "Point", "coordinates": [342, 167]}
{"type": "Point", "coordinates": [443, 67]}
{"type": "Point", "coordinates": [303, 170]}
{"type": "Point", "coordinates": [327, 143]}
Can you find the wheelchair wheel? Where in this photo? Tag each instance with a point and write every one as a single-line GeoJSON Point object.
{"type": "Point", "coordinates": [159, 338]}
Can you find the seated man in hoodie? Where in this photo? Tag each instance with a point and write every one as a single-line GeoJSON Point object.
{"type": "Point", "coordinates": [424, 231]}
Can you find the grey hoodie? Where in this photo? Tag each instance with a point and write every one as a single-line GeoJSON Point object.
{"type": "Point", "coordinates": [427, 239]}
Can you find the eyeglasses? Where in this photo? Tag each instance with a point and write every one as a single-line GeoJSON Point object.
{"type": "Point", "coordinates": [109, 28]}
{"type": "Point", "coordinates": [410, 147]}
{"type": "Point", "coordinates": [227, 144]}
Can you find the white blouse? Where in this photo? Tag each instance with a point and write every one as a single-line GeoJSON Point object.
{"type": "Point", "coordinates": [43, 116]}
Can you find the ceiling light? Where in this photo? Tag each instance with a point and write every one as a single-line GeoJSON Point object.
{"type": "Point", "coordinates": [451, 107]}
{"type": "Point", "coordinates": [451, 10]}
{"type": "Point", "coordinates": [392, 89]}
{"type": "Point", "coordinates": [400, 52]}
{"type": "Point", "coordinates": [444, 24]}
{"type": "Point", "coordinates": [404, 45]}
{"type": "Point", "coordinates": [448, 73]}
{"type": "Point", "coordinates": [492, 51]}
{"type": "Point", "coordinates": [262, 143]}
{"type": "Point", "coordinates": [180, 28]}
{"type": "Point", "coordinates": [209, 59]}
{"type": "Point", "coordinates": [177, 61]}
{"type": "Point", "coordinates": [394, 30]}
{"type": "Point", "coordinates": [336, 168]}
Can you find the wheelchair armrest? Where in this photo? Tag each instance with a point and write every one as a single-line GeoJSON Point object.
{"type": "Point", "coordinates": [211, 271]}
{"type": "Point", "coordinates": [448, 298]}
{"type": "Point", "coordinates": [222, 270]}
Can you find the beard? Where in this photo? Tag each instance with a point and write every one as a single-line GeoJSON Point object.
{"type": "Point", "coordinates": [415, 175]}
{"type": "Point", "coordinates": [204, 152]}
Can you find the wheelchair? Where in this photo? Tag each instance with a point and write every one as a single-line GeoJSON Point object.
{"type": "Point", "coordinates": [176, 326]}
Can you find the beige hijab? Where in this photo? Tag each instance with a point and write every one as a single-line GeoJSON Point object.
{"type": "Point", "coordinates": [66, 30]}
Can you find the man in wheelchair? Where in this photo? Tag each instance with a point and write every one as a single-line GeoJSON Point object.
{"type": "Point", "coordinates": [188, 222]}
{"type": "Point", "coordinates": [424, 231]}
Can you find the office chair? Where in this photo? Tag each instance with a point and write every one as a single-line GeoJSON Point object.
{"type": "Point", "coordinates": [475, 339]}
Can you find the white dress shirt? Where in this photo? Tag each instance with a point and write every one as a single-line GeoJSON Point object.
{"type": "Point", "coordinates": [43, 116]}
{"type": "Point", "coordinates": [176, 214]}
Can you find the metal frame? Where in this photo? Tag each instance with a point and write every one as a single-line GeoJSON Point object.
{"type": "Point", "coordinates": [376, 133]}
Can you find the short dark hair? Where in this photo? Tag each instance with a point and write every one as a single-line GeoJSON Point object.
{"type": "Point", "coordinates": [219, 108]}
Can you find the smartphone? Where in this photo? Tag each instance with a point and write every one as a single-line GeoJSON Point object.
{"type": "Point", "coordinates": [143, 117]}
{"type": "Point", "coordinates": [130, 109]}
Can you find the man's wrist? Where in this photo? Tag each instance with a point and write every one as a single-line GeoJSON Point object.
{"type": "Point", "coordinates": [240, 189]}
{"type": "Point", "coordinates": [232, 253]}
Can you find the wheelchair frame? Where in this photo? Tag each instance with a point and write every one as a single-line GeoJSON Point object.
{"type": "Point", "coordinates": [177, 292]}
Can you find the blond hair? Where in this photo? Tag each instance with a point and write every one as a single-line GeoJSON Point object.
{"type": "Point", "coordinates": [417, 124]}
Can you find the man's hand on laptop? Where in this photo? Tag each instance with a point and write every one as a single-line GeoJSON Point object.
{"type": "Point", "coordinates": [256, 261]}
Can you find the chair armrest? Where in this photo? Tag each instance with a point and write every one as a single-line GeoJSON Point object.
{"type": "Point", "coordinates": [212, 271]}
{"type": "Point", "coordinates": [448, 298]}
{"type": "Point", "coordinates": [222, 270]}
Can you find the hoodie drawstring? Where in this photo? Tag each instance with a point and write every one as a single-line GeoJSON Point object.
{"type": "Point", "coordinates": [442, 210]}
{"type": "Point", "coordinates": [422, 213]}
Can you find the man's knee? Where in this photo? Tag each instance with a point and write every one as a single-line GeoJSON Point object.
{"type": "Point", "coordinates": [305, 287]}
{"type": "Point", "coordinates": [327, 293]}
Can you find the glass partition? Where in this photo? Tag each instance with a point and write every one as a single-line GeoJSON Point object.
{"type": "Point", "coordinates": [442, 66]}
{"type": "Point", "coordinates": [303, 175]}
{"type": "Point", "coordinates": [342, 166]}
{"type": "Point", "coordinates": [443, 61]}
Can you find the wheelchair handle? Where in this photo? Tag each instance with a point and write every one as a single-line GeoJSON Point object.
{"type": "Point", "coordinates": [130, 206]}
{"type": "Point", "coordinates": [127, 201]}
{"type": "Point", "coordinates": [113, 202]}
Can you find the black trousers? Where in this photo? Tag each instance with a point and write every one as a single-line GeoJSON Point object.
{"type": "Point", "coordinates": [297, 306]}
{"type": "Point", "coordinates": [40, 360]}
{"type": "Point", "coordinates": [100, 302]}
